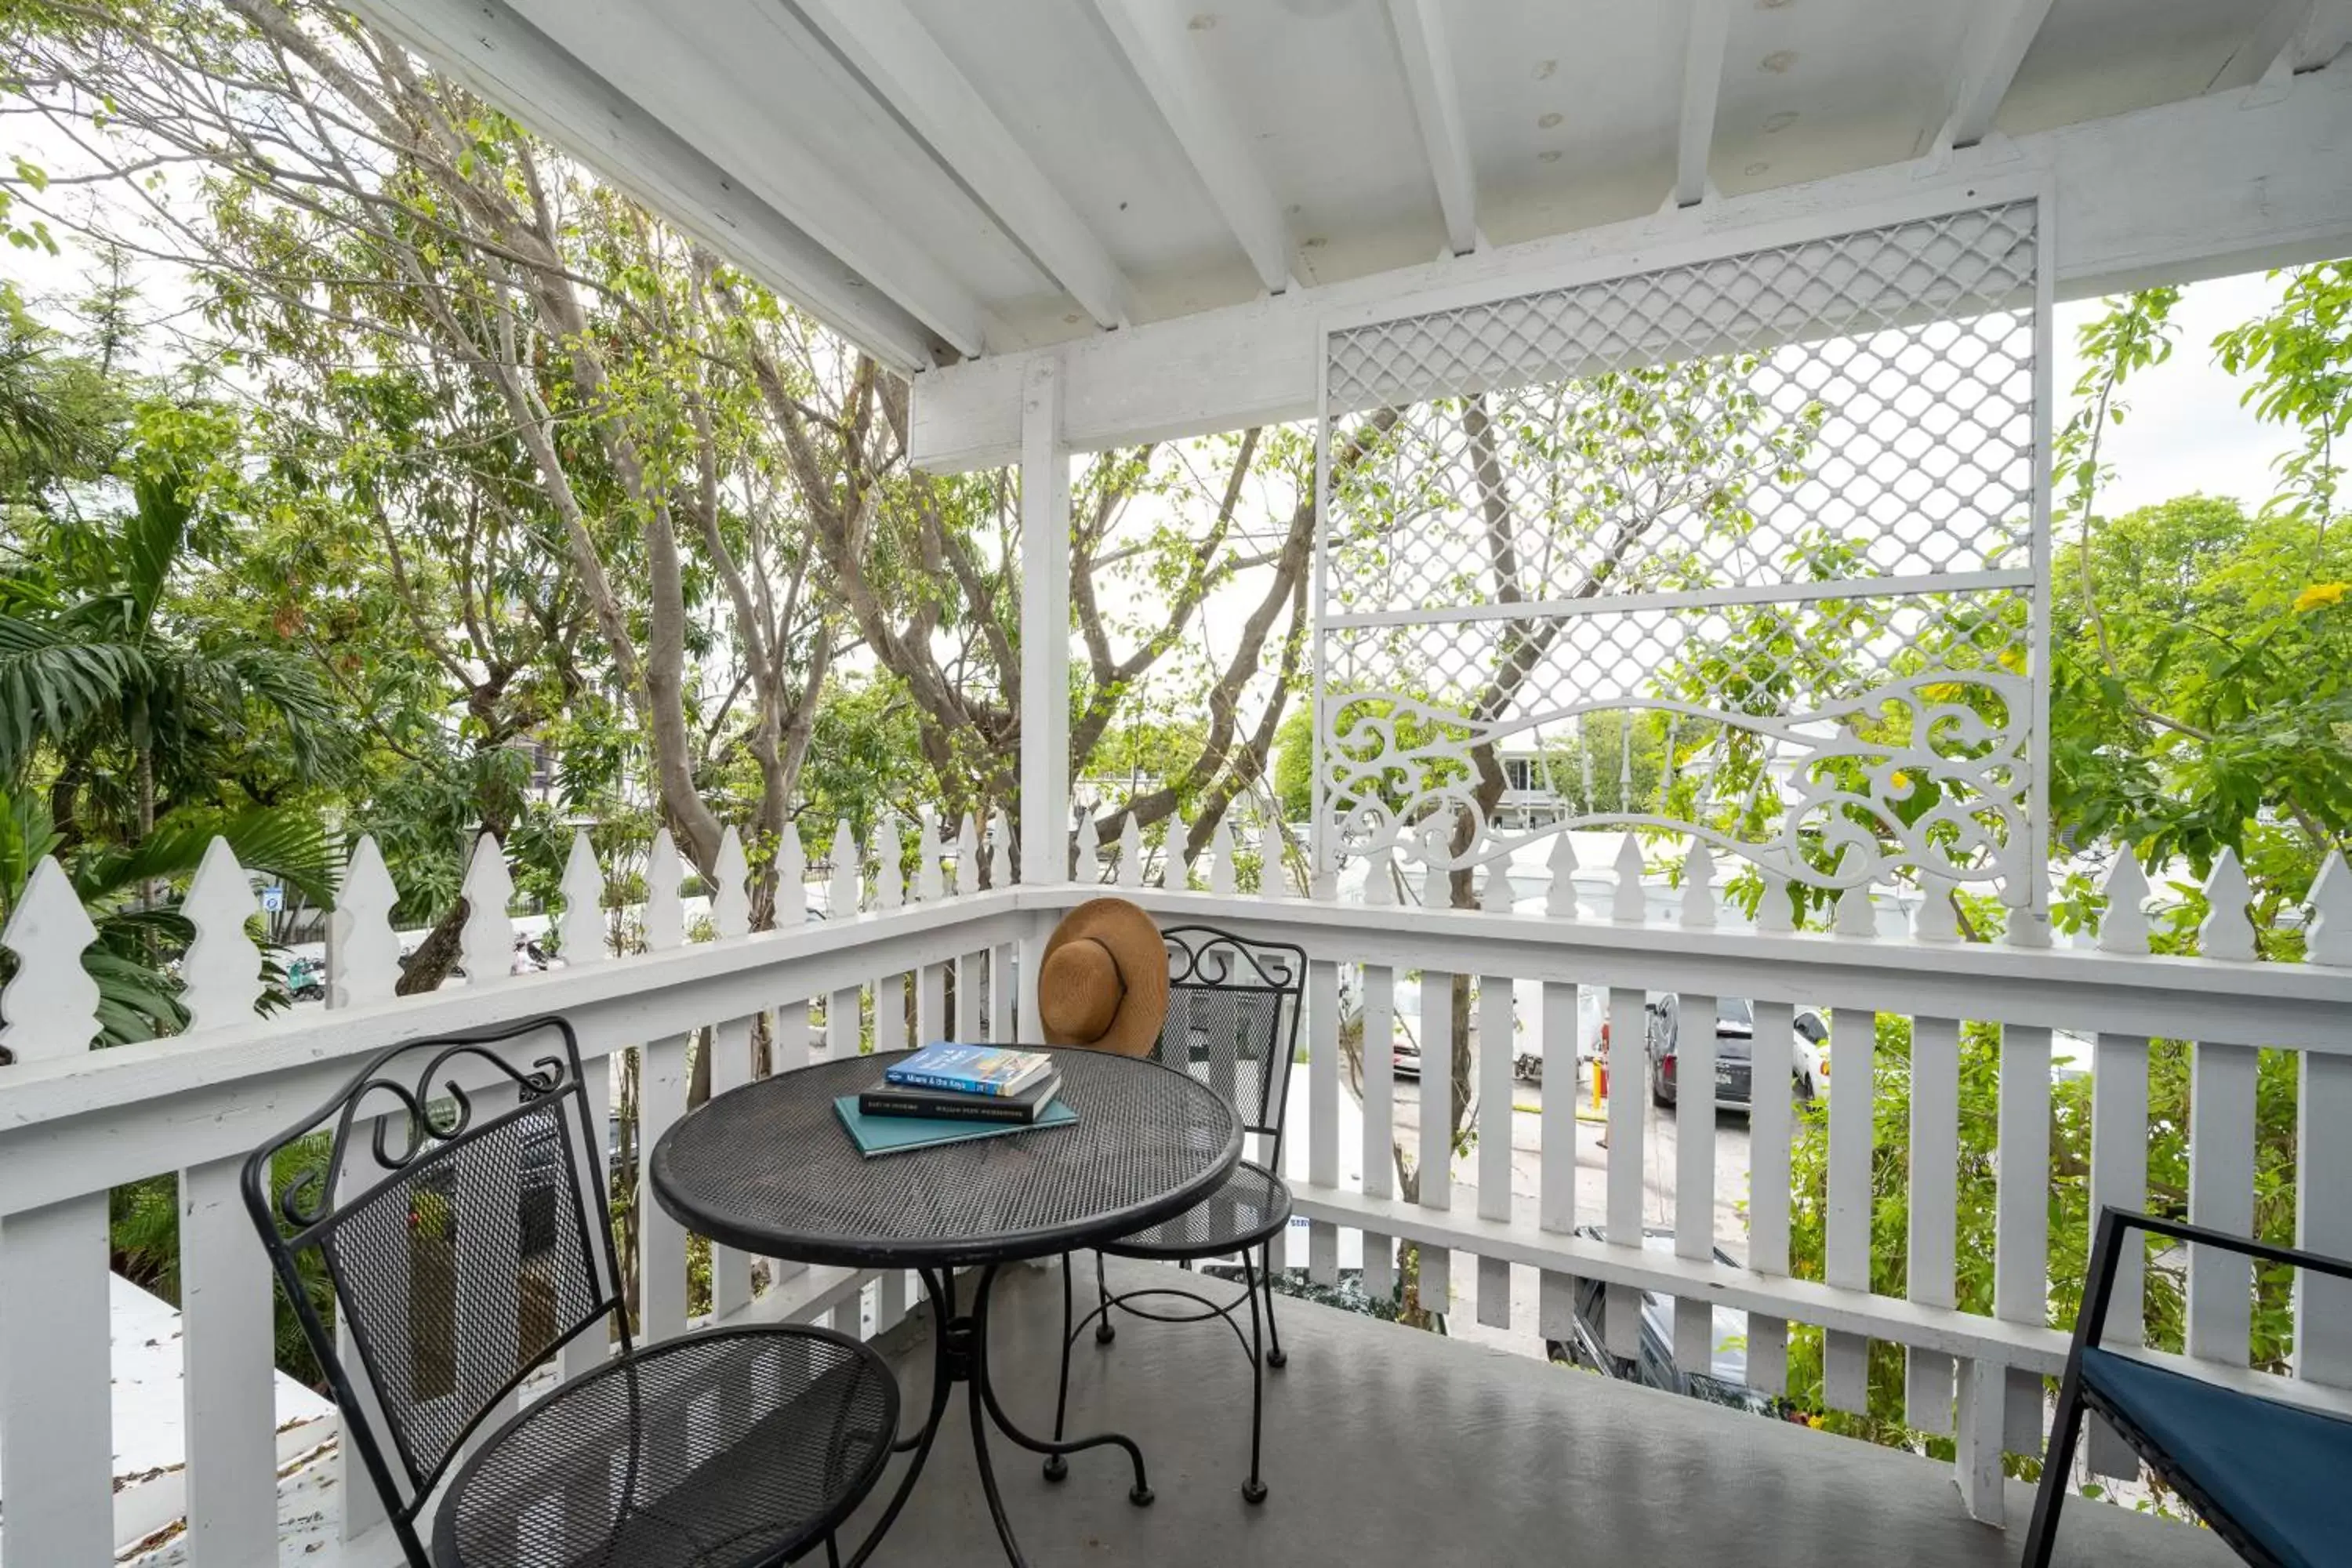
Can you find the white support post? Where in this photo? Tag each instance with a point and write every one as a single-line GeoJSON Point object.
{"type": "Point", "coordinates": [1046, 627]}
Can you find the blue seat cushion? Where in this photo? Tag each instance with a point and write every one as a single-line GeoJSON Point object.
{"type": "Point", "coordinates": [2281, 1475]}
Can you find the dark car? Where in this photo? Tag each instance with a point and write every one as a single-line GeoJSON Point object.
{"type": "Point", "coordinates": [1724, 1382]}
{"type": "Point", "coordinates": [1735, 1051]}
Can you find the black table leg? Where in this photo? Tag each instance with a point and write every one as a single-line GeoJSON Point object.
{"type": "Point", "coordinates": [984, 1394]}
{"type": "Point", "coordinates": [959, 1354]}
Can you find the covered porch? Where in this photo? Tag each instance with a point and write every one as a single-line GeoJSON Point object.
{"type": "Point", "coordinates": [1343, 217]}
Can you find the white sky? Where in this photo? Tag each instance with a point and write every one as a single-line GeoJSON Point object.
{"type": "Point", "coordinates": [2185, 432]}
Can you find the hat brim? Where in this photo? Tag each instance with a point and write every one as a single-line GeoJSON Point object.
{"type": "Point", "coordinates": [1132, 939]}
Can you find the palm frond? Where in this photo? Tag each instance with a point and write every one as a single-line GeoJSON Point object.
{"type": "Point", "coordinates": [289, 845]}
{"type": "Point", "coordinates": [51, 684]}
{"type": "Point", "coordinates": [151, 537]}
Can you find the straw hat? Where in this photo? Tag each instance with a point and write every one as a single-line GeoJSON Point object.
{"type": "Point", "coordinates": [1104, 981]}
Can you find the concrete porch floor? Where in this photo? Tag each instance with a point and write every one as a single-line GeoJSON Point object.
{"type": "Point", "coordinates": [1385, 1445]}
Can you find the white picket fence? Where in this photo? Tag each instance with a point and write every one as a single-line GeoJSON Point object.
{"type": "Point", "coordinates": [1976, 1378]}
{"type": "Point", "coordinates": [75, 1123]}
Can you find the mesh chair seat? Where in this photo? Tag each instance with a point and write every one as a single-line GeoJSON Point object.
{"type": "Point", "coordinates": [1250, 1207]}
{"type": "Point", "coordinates": [737, 1447]}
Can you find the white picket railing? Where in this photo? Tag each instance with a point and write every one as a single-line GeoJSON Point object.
{"type": "Point", "coordinates": [75, 1123]}
{"type": "Point", "coordinates": [1974, 1377]}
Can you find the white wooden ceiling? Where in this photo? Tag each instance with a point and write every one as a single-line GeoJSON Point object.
{"type": "Point", "coordinates": [947, 179]}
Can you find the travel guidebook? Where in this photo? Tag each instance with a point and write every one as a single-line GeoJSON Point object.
{"type": "Point", "coordinates": [890, 1100]}
{"type": "Point", "coordinates": [970, 1069]}
{"type": "Point", "coordinates": [947, 1093]}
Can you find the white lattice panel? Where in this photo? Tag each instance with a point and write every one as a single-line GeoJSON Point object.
{"type": "Point", "coordinates": [1744, 547]}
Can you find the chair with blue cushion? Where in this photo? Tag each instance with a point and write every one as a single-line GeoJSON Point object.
{"type": "Point", "coordinates": [2270, 1479]}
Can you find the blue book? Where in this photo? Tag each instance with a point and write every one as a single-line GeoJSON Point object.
{"type": "Point", "coordinates": [970, 1069]}
{"type": "Point", "coordinates": [895, 1134]}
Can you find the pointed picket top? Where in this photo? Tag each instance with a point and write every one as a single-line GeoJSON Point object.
{"type": "Point", "coordinates": [1933, 919]}
{"type": "Point", "coordinates": [1497, 898]}
{"type": "Point", "coordinates": [1379, 876]}
{"type": "Point", "coordinates": [1436, 876]}
{"type": "Point", "coordinates": [1086, 851]}
{"type": "Point", "coordinates": [362, 949]}
{"type": "Point", "coordinates": [1221, 865]}
{"type": "Point", "coordinates": [1130, 853]}
{"type": "Point", "coordinates": [1698, 884]}
{"type": "Point", "coordinates": [1630, 902]}
{"type": "Point", "coordinates": [1773, 910]}
{"type": "Point", "coordinates": [488, 941]}
{"type": "Point", "coordinates": [966, 876]}
{"type": "Point", "coordinates": [2227, 931]}
{"type": "Point", "coordinates": [931, 887]}
{"type": "Point", "coordinates": [889, 866]}
{"type": "Point", "coordinates": [2328, 938]}
{"type": "Point", "coordinates": [1857, 916]}
{"type": "Point", "coordinates": [1273, 862]}
{"type": "Point", "coordinates": [792, 878]}
{"type": "Point", "coordinates": [731, 890]}
{"type": "Point", "coordinates": [51, 1003]}
{"type": "Point", "coordinates": [2123, 928]}
{"type": "Point", "coordinates": [664, 910]}
{"type": "Point", "coordinates": [847, 892]}
{"type": "Point", "coordinates": [1560, 899]}
{"type": "Point", "coordinates": [1000, 850]}
{"type": "Point", "coordinates": [221, 974]}
{"type": "Point", "coordinates": [583, 925]}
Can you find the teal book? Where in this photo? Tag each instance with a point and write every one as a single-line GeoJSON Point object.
{"type": "Point", "coordinates": [895, 1134]}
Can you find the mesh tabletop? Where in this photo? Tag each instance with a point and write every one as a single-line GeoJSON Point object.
{"type": "Point", "coordinates": [768, 1168]}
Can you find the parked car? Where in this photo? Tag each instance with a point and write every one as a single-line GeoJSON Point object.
{"type": "Point", "coordinates": [1734, 1048]}
{"type": "Point", "coordinates": [1723, 1382]}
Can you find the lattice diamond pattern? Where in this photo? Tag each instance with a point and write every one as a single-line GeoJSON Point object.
{"type": "Point", "coordinates": [1735, 496]}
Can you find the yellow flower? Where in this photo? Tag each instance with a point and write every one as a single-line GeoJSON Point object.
{"type": "Point", "coordinates": [2319, 596]}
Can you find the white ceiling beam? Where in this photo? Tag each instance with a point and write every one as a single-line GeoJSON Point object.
{"type": "Point", "coordinates": [1710, 35]}
{"type": "Point", "coordinates": [500, 55]}
{"type": "Point", "coordinates": [2327, 35]}
{"type": "Point", "coordinates": [1990, 57]}
{"type": "Point", "coordinates": [2205, 188]}
{"type": "Point", "coordinates": [2270, 46]}
{"type": "Point", "coordinates": [906, 68]}
{"type": "Point", "coordinates": [668, 59]}
{"type": "Point", "coordinates": [1419, 34]}
{"type": "Point", "coordinates": [1151, 38]}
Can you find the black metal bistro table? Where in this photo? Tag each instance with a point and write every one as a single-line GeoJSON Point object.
{"type": "Point", "coordinates": [770, 1168]}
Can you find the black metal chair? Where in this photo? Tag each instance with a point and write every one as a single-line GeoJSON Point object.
{"type": "Point", "coordinates": [1232, 1024]}
{"type": "Point", "coordinates": [467, 1239]}
{"type": "Point", "coordinates": [2266, 1476]}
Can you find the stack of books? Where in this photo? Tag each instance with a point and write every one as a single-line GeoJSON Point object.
{"type": "Point", "coordinates": [950, 1094]}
